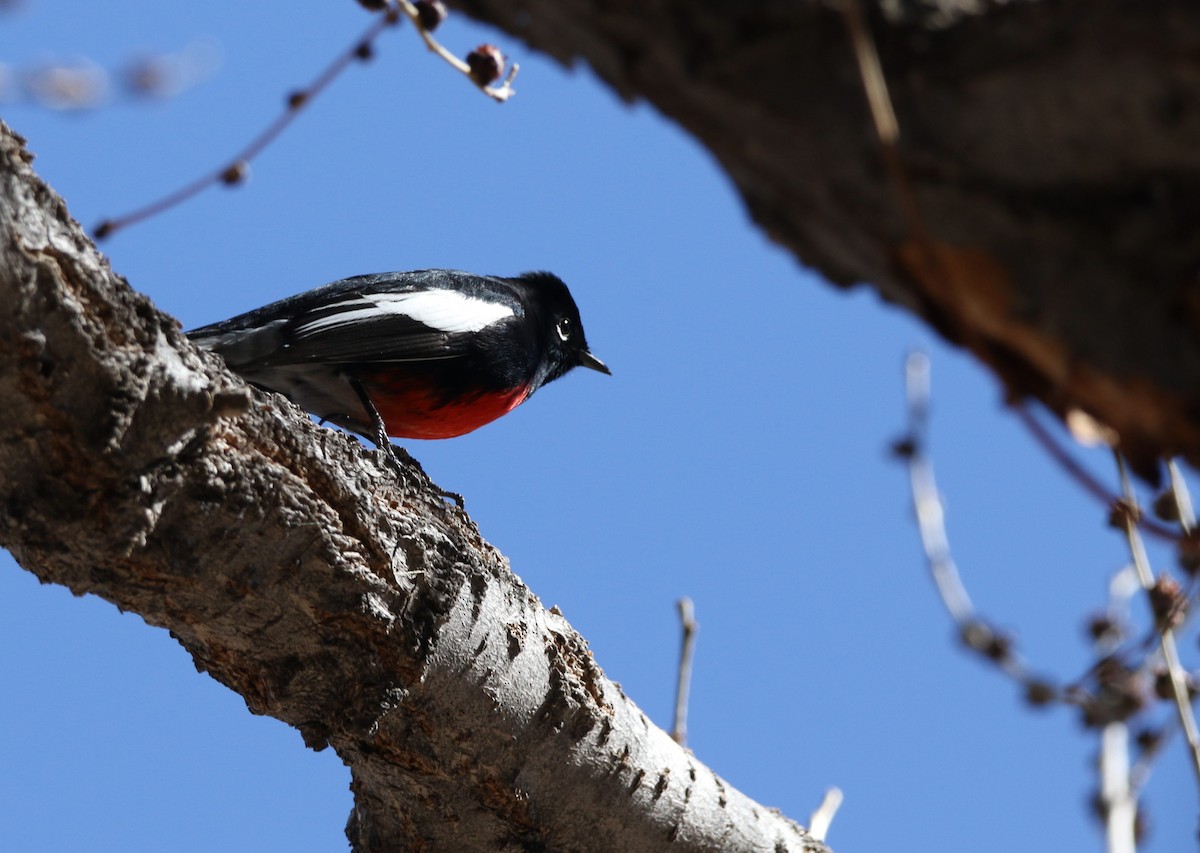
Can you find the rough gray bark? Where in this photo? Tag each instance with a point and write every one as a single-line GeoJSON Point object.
{"type": "Point", "coordinates": [1051, 146]}
{"type": "Point", "coordinates": [366, 612]}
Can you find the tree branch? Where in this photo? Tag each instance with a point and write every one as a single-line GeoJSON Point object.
{"type": "Point", "coordinates": [1049, 154]}
{"type": "Point", "coordinates": [299, 571]}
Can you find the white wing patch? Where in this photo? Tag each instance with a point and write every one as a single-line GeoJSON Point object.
{"type": "Point", "coordinates": [444, 310]}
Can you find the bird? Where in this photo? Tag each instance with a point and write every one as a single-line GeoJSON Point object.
{"type": "Point", "coordinates": [425, 354]}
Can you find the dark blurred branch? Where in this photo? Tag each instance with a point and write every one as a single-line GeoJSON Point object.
{"type": "Point", "coordinates": [1058, 247]}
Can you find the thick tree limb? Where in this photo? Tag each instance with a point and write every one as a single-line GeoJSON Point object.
{"type": "Point", "coordinates": [1050, 147]}
{"type": "Point", "coordinates": [294, 568]}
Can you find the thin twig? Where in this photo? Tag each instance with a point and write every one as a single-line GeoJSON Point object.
{"type": "Point", "coordinates": [871, 70]}
{"type": "Point", "coordinates": [234, 171]}
{"type": "Point", "coordinates": [927, 502]}
{"type": "Point", "coordinates": [1183, 498]}
{"type": "Point", "coordinates": [887, 131]}
{"type": "Point", "coordinates": [1082, 476]}
{"type": "Point", "coordinates": [687, 619]}
{"type": "Point", "coordinates": [1166, 635]}
{"type": "Point", "coordinates": [931, 526]}
{"type": "Point", "coordinates": [500, 93]}
{"type": "Point", "coordinates": [1064, 459]}
{"type": "Point", "coordinates": [822, 817]}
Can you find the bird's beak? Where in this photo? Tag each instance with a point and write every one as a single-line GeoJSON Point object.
{"type": "Point", "coordinates": [586, 359]}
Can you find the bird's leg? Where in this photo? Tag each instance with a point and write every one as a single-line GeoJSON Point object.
{"type": "Point", "coordinates": [392, 451]}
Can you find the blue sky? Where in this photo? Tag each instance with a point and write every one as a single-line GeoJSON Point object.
{"type": "Point", "coordinates": [738, 455]}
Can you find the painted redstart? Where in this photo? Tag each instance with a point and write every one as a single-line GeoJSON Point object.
{"type": "Point", "coordinates": [423, 354]}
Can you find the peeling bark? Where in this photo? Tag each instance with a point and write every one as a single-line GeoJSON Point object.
{"type": "Point", "coordinates": [352, 604]}
{"type": "Point", "coordinates": [1051, 146]}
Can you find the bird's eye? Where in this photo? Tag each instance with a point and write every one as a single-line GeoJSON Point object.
{"type": "Point", "coordinates": [564, 328]}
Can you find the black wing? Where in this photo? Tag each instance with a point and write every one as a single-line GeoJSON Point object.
{"type": "Point", "coordinates": [388, 317]}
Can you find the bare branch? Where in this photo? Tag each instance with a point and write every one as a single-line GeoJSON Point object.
{"type": "Point", "coordinates": [927, 501]}
{"type": "Point", "coordinates": [823, 816]}
{"type": "Point", "coordinates": [1182, 498]}
{"type": "Point", "coordinates": [1080, 475]}
{"type": "Point", "coordinates": [687, 619]}
{"type": "Point", "coordinates": [235, 170]}
{"type": "Point", "coordinates": [500, 93]}
{"type": "Point", "coordinates": [1166, 633]}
